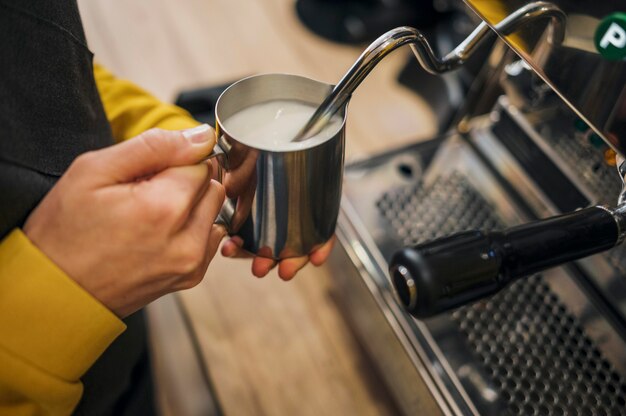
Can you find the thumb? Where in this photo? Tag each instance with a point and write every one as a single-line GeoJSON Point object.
{"type": "Point", "coordinates": [154, 151]}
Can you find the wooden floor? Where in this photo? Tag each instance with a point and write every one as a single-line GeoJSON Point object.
{"type": "Point", "coordinates": [272, 348]}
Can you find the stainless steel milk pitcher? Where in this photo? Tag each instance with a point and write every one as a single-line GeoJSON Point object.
{"type": "Point", "coordinates": [280, 203]}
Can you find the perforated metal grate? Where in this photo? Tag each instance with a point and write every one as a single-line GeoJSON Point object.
{"type": "Point", "coordinates": [601, 178]}
{"type": "Point", "coordinates": [449, 205]}
{"type": "Point", "coordinates": [588, 162]}
{"type": "Point", "coordinates": [536, 352]}
{"type": "Point", "coordinates": [617, 259]}
{"type": "Point", "coordinates": [539, 356]}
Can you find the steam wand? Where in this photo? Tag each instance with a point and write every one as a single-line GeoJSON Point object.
{"type": "Point", "coordinates": [401, 36]}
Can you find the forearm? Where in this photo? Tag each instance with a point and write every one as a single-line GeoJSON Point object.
{"type": "Point", "coordinates": [132, 110]}
{"type": "Point", "coordinates": [51, 332]}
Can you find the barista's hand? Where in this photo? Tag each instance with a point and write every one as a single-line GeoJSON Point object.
{"type": "Point", "coordinates": [287, 268]}
{"type": "Point", "coordinates": [133, 222]}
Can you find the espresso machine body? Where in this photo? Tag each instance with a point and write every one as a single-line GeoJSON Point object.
{"type": "Point", "coordinates": [552, 341]}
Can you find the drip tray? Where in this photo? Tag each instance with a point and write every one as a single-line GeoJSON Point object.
{"type": "Point", "coordinates": [541, 346]}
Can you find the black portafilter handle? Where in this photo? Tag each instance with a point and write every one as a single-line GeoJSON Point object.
{"type": "Point", "coordinates": [449, 272]}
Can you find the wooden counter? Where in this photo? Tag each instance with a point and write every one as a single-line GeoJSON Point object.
{"type": "Point", "coordinates": [271, 347]}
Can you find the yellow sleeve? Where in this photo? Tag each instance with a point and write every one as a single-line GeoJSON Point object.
{"type": "Point", "coordinates": [51, 332]}
{"type": "Point", "coordinates": [131, 110]}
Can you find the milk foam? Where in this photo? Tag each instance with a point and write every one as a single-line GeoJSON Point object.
{"type": "Point", "coordinates": [273, 125]}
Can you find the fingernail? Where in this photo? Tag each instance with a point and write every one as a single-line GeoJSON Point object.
{"type": "Point", "coordinates": [198, 135]}
{"type": "Point", "coordinates": [222, 229]}
{"type": "Point", "coordinates": [226, 252]}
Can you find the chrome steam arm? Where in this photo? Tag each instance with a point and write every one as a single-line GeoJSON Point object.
{"type": "Point", "coordinates": [401, 36]}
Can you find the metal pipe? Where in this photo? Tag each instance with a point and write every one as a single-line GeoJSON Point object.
{"type": "Point", "coordinates": [405, 35]}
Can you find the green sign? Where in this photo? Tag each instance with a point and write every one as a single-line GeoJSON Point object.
{"type": "Point", "coordinates": [610, 38]}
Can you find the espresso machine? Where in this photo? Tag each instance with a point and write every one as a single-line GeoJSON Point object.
{"type": "Point", "coordinates": [487, 272]}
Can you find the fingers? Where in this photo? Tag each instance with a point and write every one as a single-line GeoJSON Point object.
{"type": "Point", "coordinates": [196, 244]}
{"type": "Point", "coordinates": [288, 268]}
{"type": "Point", "coordinates": [217, 234]}
{"type": "Point", "coordinates": [319, 256]}
{"type": "Point", "coordinates": [151, 152]}
{"type": "Point", "coordinates": [205, 212]}
{"type": "Point", "coordinates": [195, 276]}
{"type": "Point", "coordinates": [176, 191]}
{"type": "Point", "coordinates": [262, 264]}
{"type": "Point", "coordinates": [232, 248]}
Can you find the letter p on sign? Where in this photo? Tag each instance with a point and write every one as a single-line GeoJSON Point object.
{"type": "Point", "coordinates": [615, 35]}
{"type": "Point", "coordinates": [610, 37]}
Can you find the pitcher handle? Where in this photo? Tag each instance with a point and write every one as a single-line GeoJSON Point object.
{"type": "Point", "coordinates": [220, 153]}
